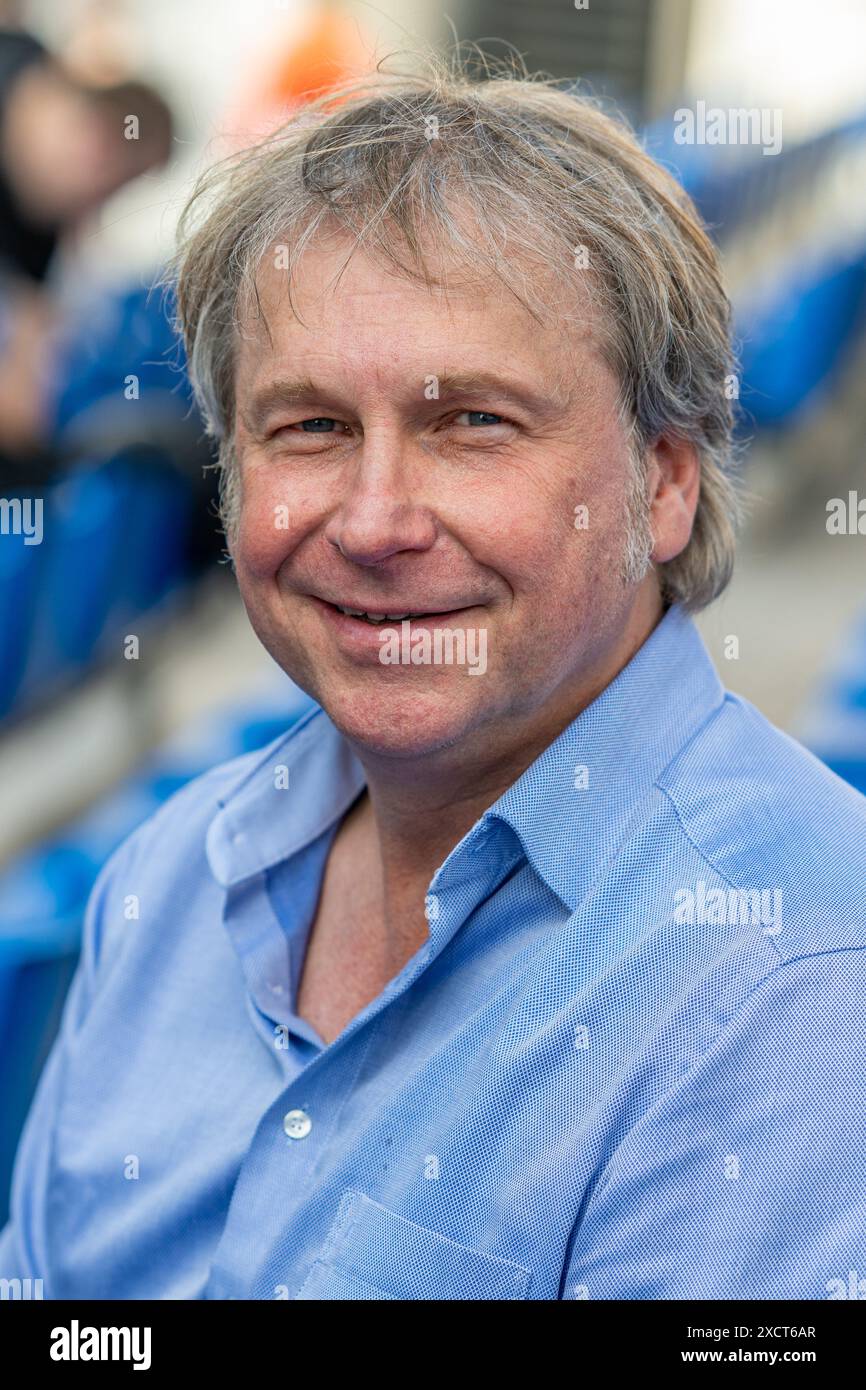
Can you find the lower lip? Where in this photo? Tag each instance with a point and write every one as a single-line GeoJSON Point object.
{"type": "Point", "coordinates": [365, 638]}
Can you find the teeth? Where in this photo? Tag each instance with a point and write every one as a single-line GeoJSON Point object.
{"type": "Point", "coordinates": [385, 618]}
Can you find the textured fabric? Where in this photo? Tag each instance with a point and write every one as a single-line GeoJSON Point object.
{"type": "Point", "coordinates": [630, 1062]}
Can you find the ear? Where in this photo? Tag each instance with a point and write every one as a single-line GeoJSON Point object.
{"type": "Point", "coordinates": [674, 480]}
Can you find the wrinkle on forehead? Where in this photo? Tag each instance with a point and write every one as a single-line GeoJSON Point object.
{"type": "Point", "coordinates": [295, 294]}
{"type": "Point", "coordinates": [438, 257]}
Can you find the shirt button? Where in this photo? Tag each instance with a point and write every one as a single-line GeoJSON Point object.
{"type": "Point", "coordinates": [297, 1124]}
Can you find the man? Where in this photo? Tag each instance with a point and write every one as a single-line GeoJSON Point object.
{"type": "Point", "coordinates": [530, 965]}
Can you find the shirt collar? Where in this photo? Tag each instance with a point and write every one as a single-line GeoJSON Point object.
{"type": "Point", "coordinates": [570, 809]}
{"type": "Point", "coordinates": [295, 790]}
{"type": "Point", "coordinates": [573, 806]}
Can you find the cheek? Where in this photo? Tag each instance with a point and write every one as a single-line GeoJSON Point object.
{"type": "Point", "coordinates": [563, 571]}
{"type": "Point", "coordinates": [532, 547]}
{"type": "Point", "coordinates": [554, 525]}
{"type": "Point", "coordinates": [269, 528]}
{"type": "Point", "coordinates": [259, 547]}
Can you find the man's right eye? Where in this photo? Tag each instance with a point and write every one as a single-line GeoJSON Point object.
{"type": "Point", "coordinates": [317, 424]}
{"type": "Point", "coordinates": [320, 424]}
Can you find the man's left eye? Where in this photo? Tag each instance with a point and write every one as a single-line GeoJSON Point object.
{"type": "Point", "coordinates": [320, 424]}
{"type": "Point", "coordinates": [478, 417]}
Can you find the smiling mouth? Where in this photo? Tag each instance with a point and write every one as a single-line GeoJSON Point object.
{"type": "Point", "coordinates": [377, 619]}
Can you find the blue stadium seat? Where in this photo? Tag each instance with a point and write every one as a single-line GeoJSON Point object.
{"type": "Point", "coordinates": [20, 568]}
{"type": "Point", "coordinates": [792, 343]}
{"type": "Point", "coordinates": [87, 524]}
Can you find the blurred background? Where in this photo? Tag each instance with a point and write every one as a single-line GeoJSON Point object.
{"type": "Point", "coordinates": [127, 665]}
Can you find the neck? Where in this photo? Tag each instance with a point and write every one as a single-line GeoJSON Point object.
{"type": "Point", "coordinates": [418, 809]}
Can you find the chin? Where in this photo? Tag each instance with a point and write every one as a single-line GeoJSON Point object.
{"type": "Point", "coordinates": [399, 723]}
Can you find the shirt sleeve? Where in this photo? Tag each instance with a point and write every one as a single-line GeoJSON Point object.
{"type": "Point", "coordinates": [23, 1241]}
{"type": "Point", "coordinates": [747, 1179]}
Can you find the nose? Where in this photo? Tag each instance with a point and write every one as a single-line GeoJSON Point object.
{"type": "Point", "coordinates": [380, 513]}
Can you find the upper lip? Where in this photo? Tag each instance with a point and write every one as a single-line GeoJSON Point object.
{"type": "Point", "coordinates": [380, 610]}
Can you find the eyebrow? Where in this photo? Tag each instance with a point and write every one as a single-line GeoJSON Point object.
{"type": "Point", "coordinates": [276, 393]}
{"type": "Point", "coordinates": [450, 386]}
{"type": "Point", "coordinates": [462, 384]}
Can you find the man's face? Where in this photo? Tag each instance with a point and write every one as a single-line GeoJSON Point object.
{"type": "Point", "coordinates": [412, 451]}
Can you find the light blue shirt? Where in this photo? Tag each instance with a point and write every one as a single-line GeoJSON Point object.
{"type": "Point", "coordinates": [629, 1062]}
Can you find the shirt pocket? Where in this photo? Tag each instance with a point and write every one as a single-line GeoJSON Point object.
{"type": "Point", "coordinates": [372, 1253]}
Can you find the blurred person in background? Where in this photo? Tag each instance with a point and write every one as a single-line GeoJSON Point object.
{"type": "Point", "coordinates": [65, 148]}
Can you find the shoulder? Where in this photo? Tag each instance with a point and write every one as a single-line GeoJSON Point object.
{"type": "Point", "coordinates": [158, 872]}
{"type": "Point", "coordinates": [167, 852]}
{"type": "Point", "coordinates": [745, 1177]}
{"type": "Point", "coordinates": [182, 821]}
{"type": "Point", "coordinates": [767, 815]}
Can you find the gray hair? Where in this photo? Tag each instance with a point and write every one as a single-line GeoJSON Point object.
{"type": "Point", "coordinates": [507, 174]}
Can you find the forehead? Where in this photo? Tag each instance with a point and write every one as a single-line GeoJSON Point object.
{"type": "Point", "coordinates": [349, 310]}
